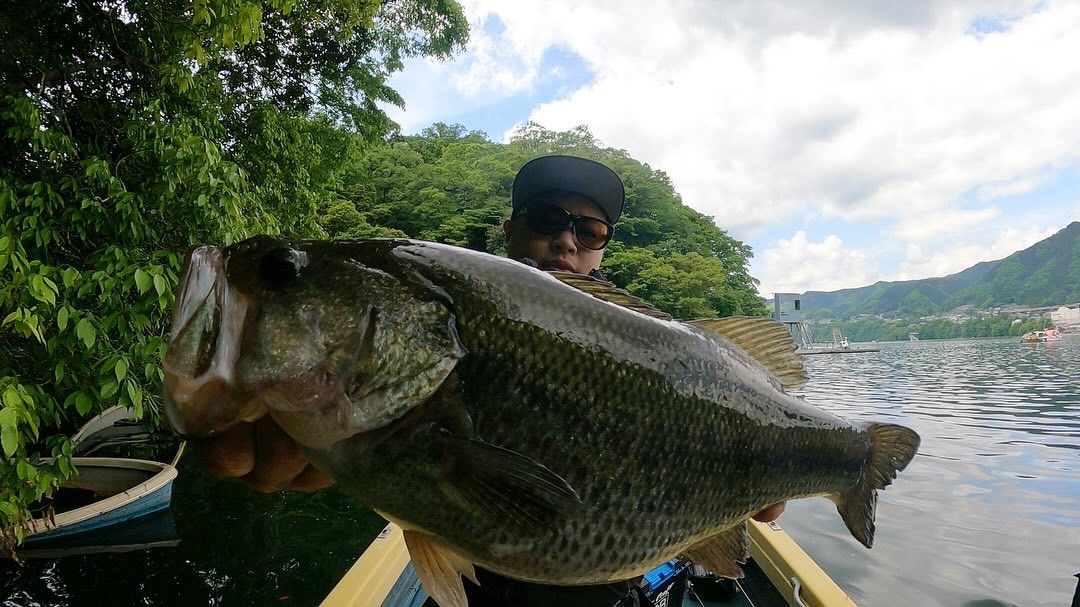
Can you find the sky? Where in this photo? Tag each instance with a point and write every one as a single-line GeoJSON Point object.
{"type": "Point", "coordinates": [846, 141]}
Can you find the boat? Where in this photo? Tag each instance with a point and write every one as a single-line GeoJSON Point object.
{"type": "Point", "coordinates": [913, 336]}
{"type": "Point", "coordinates": [1042, 335]}
{"type": "Point", "coordinates": [778, 574]}
{"type": "Point", "coordinates": [111, 503]}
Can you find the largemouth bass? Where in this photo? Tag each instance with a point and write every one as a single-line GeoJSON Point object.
{"type": "Point", "coordinates": [547, 427]}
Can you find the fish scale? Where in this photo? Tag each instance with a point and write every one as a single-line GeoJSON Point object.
{"type": "Point", "coordinates": [531, 423]}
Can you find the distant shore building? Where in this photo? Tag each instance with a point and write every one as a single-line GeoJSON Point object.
{"type": "Point", "coordinates": [787, 308]}
{"type": "Point", "coordinates": [1066, 319]}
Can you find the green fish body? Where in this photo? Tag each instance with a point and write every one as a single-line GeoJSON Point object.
{"type": "Point", "coordinates": [546, 427]}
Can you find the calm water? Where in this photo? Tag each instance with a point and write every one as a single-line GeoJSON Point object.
{"type": "Point", "coordinates": [987, 514]}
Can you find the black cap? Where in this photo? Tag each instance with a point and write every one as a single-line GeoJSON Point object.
{"type": "Point", "coordinates": [570, 174]}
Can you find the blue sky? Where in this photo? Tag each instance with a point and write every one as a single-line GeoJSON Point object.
{"type": "Point", "coordinates": [845, 143]}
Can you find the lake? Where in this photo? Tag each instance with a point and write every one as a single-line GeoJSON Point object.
{"type": "Point", "coordinates": [987, 514]}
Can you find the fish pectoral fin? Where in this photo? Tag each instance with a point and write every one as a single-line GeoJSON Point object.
{"type": "Point", "coordinates": [765, 340]}
{"type": "Point", "coordinates": [512, 491]}
{"type": "Point", "coordinates": [723, 552]}
{"type": "Point", "coordinates": [892, 447]}
{"type": "Point", "coordinates": [439, 568]}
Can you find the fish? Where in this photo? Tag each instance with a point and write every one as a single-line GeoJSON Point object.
{"type": "Point", "coordinates": [546, 426]}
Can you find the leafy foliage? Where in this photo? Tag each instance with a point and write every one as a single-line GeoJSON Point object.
{"type": "Point", "coordinates": [452, 185]}
{"type": "Point", "coordinates": [131, 130]}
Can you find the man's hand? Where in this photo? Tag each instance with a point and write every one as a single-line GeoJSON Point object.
{"type": "Point", "coordinates": [261, 456]}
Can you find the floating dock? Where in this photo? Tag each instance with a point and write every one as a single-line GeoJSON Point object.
{"type": "Point", "coordinates": [800, 331]}
{"type": "Point", "coordinates": [835, 349]}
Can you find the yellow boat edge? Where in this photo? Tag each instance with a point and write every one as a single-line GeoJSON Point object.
{"type": "Point", "coordinates": [369, 581]}
{"type": "Point", "coordinates": [783, 561]}
{"type": "Point", "coordinates": [371, 578]}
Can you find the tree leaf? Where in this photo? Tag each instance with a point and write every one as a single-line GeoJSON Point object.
{"type": "Point", "coordinates": [108, 389]}
{"type": "Point", "coordinates": [143, 280]}
{"type": "Point", "coordinates": [11, 397]}
{"type": "Point", "coordinates": [83, 403]}
{"type": "Point", "coordinates": [120, 369]}
{"type": "Point", "coordinates": [26, 470]}
{"type": "Point", "coordinates": [160, 284]}
{"type": "Point", "coordinates": [9, 431]}
{"type": "Point", "coordinates": [69, 275]}
{"type": "Point", "coordinates": [86, 332]}
{"type": "Point", "coordinates": [62, 316]}
{"type": "Point", "coordinates": [135, 394]}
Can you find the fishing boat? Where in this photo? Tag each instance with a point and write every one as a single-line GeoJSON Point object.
{"type": "Point", "coordinates": [111, 502]}
{"type": "Point", "coordinates": [779, 574]}
{"type": "Point", "coordinates": [1042, 335]}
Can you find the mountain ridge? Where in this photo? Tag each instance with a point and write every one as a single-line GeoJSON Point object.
{"type": "Point", "coordinates": [1046, 273]}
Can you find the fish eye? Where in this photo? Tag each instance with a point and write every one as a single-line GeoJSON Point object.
{"type": "Point", "coordinates": [282, 264]}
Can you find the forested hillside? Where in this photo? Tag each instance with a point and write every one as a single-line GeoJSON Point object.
{"type": "Point", "coordinates": [451, 185]}
{"type": "Point", "coordinates": [1045, 273]}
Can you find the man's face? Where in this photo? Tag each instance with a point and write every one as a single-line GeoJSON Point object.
{"type": "Point", "coordinates": [554, 251]}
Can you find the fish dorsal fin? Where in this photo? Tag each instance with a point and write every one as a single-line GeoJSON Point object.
{"type": "Point", "coordinates": [607, 291]}
{"type": "Point", "coordinates": [765, 340]}
{"type": "Point", "coordinates": [723, 552]}
{"type": "Point", "coordinates": [439, 568]}
{"type": "Point", "coordinates": [508, 489]}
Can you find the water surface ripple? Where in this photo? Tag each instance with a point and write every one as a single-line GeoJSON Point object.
{"type": "Point", "coordinates": [988, 513]}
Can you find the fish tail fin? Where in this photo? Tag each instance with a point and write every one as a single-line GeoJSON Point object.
{"type": "Point", "coordinates": [891, 449]}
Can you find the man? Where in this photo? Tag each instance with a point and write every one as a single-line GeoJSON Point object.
{"type": "Point", "coordinates": [564, 211]}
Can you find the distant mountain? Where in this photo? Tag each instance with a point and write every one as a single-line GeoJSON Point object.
{"type": "Point", "coordinates": [1045, 273]}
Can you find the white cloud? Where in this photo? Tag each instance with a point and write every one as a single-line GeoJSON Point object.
{"type": "Point", "coordinates": [943, 222]}
{"type": "Point", "coordinates": [942, 261]}
{"type": "Point", "coordinates": [798, 265]}
{"type": "Point", "coordinates": [759, 110]}
{"type": "Point", "coordinates": [920, 116]}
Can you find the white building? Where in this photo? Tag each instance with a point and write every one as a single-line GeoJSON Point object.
{"type": "Point", "coordinates": [1066, 319]}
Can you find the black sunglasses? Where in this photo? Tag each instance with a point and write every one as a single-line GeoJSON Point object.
{"type": "Point", "coordinates": [590, 232]}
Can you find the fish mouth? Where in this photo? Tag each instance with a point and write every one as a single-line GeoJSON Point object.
{"type": "Point", "coordinates": [200, 363]}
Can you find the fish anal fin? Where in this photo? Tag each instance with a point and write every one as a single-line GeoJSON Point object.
{"type": "Point", "coordinates": [508, 489]}
{"type": "Point", "coordinates": [722, 553]}
{"type": "Point", "coordinates": [439, 568]}
{"type": "Point", "coordinates": [607, 291]}
{"type": "Point", "coordinates": [765, 340]}
{"type": "Point", "coordinates": [892, 447]}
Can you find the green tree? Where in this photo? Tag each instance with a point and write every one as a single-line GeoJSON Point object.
{"type": "Point", "coordinates": [452, 185]}
{"type": "Point", "coordinates": [131, 130]}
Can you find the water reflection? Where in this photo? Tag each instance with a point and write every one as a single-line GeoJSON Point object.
{"type": "Point", "coordinates": [987, 513]}
{"type": "Point", "coordinates": [237, 547]}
